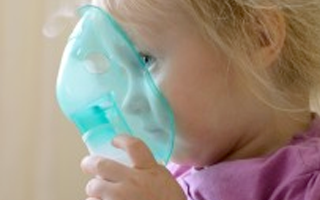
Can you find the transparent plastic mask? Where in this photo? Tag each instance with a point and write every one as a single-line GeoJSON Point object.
{"type": "Point", "coordinates": [105, 89]}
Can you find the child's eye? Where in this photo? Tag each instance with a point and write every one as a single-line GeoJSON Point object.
{"type": "Point", "coordinates": [148, 60]}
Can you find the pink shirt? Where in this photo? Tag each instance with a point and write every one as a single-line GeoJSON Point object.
{"type": "Point", "coordinates": [291, 173]}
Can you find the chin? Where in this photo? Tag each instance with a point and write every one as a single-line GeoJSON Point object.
{"type": "Point", "coordinates": [196, 162]}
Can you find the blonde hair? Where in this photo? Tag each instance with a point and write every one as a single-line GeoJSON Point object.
{"type": "Point", "coordinates": [296, 73]}
{"type": "Point", "coordinates": [236, 27]}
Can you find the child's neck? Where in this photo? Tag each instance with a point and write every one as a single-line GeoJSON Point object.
{"type": "Point", "coordinates": [284, 127]}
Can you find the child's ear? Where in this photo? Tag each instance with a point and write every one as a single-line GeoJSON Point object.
{"type": "Point", "coordinates": [271, 31]}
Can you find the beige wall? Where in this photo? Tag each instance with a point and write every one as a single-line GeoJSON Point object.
{"type": "Point", "coordinates": [40, 150]}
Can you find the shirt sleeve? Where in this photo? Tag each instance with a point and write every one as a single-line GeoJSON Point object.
{"type": "Point", "coordinates": [305, 187]}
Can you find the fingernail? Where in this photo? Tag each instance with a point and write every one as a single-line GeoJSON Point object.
{"type": "Point", "coordinates": [86, 164]}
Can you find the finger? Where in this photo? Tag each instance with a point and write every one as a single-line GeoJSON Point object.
{"type": "Point", "coordinates": [137, 150]}
{"type": "Point", "coordinates": [101, 189]}
{"type": "Point", "coordinates": [96, 188]}
{"type": "Point", "coordinates": [91, 198]}
{"type": "Point", "coordinates": [104, 168]}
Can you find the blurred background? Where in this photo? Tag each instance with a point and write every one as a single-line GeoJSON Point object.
{"type": "Point", "coordinates": [40, 151]}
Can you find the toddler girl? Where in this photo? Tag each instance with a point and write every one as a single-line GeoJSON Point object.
{"type": "Point", "coordinates": [241, 77]}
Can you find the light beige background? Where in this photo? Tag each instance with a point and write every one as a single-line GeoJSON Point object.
{"type": "Point", "coordinates": [40, 150]}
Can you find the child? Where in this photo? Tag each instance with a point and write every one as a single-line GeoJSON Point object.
{"type": "Point", "coordinates": [239, 76]}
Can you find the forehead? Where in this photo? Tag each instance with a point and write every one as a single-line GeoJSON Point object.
{"type": "Point", "coordinates": [151, 20]}
{"type": "Point", "coordinates": [139, 9]}
{"type": "Point", "coordinates": [145, 15]}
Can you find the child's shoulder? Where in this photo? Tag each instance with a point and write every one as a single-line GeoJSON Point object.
{"type": "Point", "coordinates": [304, 148]}
{"type": "Point", "coordinates": [313, 130]}
{"type": "Point", "coordinates": [292, 172]}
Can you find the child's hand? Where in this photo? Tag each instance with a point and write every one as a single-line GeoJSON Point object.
{"type": "Point", "coordinates": [146, 180]}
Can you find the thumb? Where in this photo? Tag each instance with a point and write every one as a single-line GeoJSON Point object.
{"type": "Point", "coordinates": [137, 150]}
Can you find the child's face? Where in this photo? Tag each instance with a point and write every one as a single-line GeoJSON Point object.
{"type": "Point", "coordinates": [201, 87]}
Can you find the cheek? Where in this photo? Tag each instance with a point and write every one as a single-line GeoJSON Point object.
{"type": "Point", "coordinates": [200, 98]}
{"type": "Point", "coordinates": [196, 91]}
{"type": "Point", "coordinates": [191, 104]}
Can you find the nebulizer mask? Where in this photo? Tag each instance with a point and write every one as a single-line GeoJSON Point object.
{"type": "Point", "coordinates": [104, 87]}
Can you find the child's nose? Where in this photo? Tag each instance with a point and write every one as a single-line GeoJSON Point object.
{"type": "Point", "coordinates": [135, 103]}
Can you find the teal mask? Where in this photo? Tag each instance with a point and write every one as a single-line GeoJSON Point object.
{"type": "Point", "coordinates": [104, 87]}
